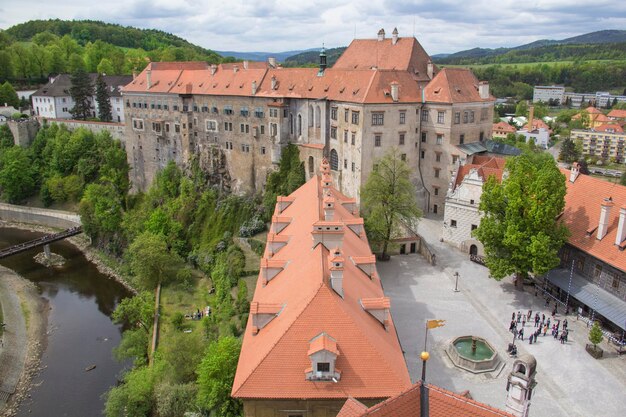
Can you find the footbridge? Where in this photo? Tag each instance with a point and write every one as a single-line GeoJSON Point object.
{"type": "Point", "coordinates": [42, 241]}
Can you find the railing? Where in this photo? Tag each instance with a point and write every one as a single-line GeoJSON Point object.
{"type": "Point", "coordinates": [478, 259]}
{"type": "Point", "coordinates": [45, 240]}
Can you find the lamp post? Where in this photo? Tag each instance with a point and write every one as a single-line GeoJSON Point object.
{"type": "Point", "coordinates": [456, 282]}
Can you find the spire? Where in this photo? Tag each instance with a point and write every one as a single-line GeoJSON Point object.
{"type": "Point", "coordinates": [322, 61]}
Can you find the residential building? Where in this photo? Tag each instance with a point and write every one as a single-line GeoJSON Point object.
{"type": "Point", "coordinates": [541, 136]}
{"type": "Point", "coordinates": [605, 142]}
{"type": "Point", "coordinates": [462, 215]}
{"type": "Point", "coordinates": [320, 329]}
{"type": "Point", "coordinates": [381, 93]}
{"type": "Point", "coordinates": [617, 115]}
{"type": "Point", "coordinates": [6, 113]}
{"type": "Point", "coordinates": [593, 262]}
{"type": "Point", "coordinates": [502, 129]}
{"type": "Point", "coordinates": [549, 94]}
{"type": "Point", "coordinates": [605, 99]}
{"type": "Point", "coordinates": [53, 100]}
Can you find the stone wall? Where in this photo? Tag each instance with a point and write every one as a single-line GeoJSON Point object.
{"type": "Point", "coordinates": [44, 217]}
{"type": "Point", "coordinates": [115, 129]}
{"type": "Point", "coordinates": [24, 131]}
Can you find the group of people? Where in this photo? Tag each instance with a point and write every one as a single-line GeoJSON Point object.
{"type": "Point", "coordinates": [542, 324]}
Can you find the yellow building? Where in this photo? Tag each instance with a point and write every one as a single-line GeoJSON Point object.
{"type": "Point", "coordinates": [605, 142]}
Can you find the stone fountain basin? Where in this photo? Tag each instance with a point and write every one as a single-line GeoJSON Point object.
{"type": "Point", "coordinates": [486, 361]}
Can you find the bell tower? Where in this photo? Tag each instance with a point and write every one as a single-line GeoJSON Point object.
{"type": "Point", "coordinates": [520, 385]}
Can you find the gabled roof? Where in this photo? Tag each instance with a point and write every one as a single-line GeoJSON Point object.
{"type": "Point", "coordinates": [487, 166]}
{"type": "Point", "coordinates": [442, 403]}
{"type": "Point", "coordinates": [537, 124]}
{"type": "Point", "coordinates": [618, 114]}
{"type": "Point", "coordinates": [611, 128]}
{"type": "Point", "coordinates": [503, 127]}
{"type": "Point", "coordinates": [60, 85]}
{"type": "Point", "coordinates": [454, 85]}
{"type": "Point", "coordinates": [582, 213]}
{"type": "Point", "coordinates": [273, 362]}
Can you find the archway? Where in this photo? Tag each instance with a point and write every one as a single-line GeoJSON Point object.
{"type": "Point", "coordinates": [473, 250]}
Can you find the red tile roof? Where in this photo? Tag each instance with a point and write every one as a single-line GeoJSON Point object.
{"type": "Point", "coordinates": [612, 128]}
{"type": "Point", "coordinates": [454, 85]}
{"type": "Point", "coordinates": [582, 213]}
{"type": "Point", "coordinates": [503, 127]}
{"type": "Point", "coordinates": [538, 124]}
{"type": "Point", "coordinates": [592, 110]}
{"type": "Point", "coordinates": [617, 114]}
{"type": "Point", "coordinates": [442, 403]}
{"type": "Point", "coordinates": [273, 362]}
{"type": "Point", "coordinates": [487, 166]}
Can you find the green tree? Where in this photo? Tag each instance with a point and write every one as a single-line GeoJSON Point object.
{"type": "Point", "coordinates": [6, 138]}
{"type": "Point", "coordinates": [21, 60]}
{"type": "Point", "coordinates": [522, 109]}
{"type": "Point", "coordinates": [101, 212]}
{"type": "Point", "coordinates": [75, 64]}
{"type": "Point", "coordinates": [81, 92]}
{"type": "Point", "coordinates": [8, 95]}
{"type": "Point", "coordinates": [40, 60]}
{"type": "Point", "coordinates": [519, 229]}
{"type": "Point", "coordinates": [289, 177]}
{"type": "Point", "coordinates": [57, 62]}
{"type": "Point", "coordinates": [568, 153]}
{"type": "Point", "coordinates": [135, 396]}
{"type": "Point", "coordinates": [173, 400]}
{"type": "Point", "coordinates": [6, 66]}
{"type": "Point", "coordinates": [595, 335]}
{"type": "Point", "coordinates": [137, 310]}
{"type": "Point", "coordinates": [182, 352]}
{"type": "Point", "coordinates": [16, 174]}
{"type": "Point", "coordinates": [103, 98]}
{"type": "Point", "coordinates": [216, 374]}
{"type": "Point", "coordinates": [151, 261]}
{"type": "Point", "coordinates": [134, 345]}
{"type": "Point", "coordinates": [105, 67]}
{"type": "Point", "coordinates": [388, 200]}
{"type": "Point", "coordinates": [243, 306]}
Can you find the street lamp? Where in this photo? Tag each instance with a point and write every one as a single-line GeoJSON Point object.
{"type": "Point", "coordinates": [456, 282]}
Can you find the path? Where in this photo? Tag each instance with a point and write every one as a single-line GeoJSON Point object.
{"type": "Point", "coordinates": [570, 382]}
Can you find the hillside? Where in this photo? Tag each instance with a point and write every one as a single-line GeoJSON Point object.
{"type": "Point", "coordinates": [84, 31]}
{"type": "Point", "coordinates": [312, 57]}
{"type": "Point", "coordinates": [262, 56]}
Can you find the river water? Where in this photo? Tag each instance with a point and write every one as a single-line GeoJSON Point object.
{"type": "Point", "coordinates": [81, 333]}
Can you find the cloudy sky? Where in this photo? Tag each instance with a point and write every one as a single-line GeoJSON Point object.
{"type": "Point", "coordinates": [281, 25]}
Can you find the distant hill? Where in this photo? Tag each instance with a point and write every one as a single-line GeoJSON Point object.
{"type": "Point", "coordinates": [262, 56]}
{"type": "Point", "coordinates": [90, 31]}
{"type": "Point", "coordinates": [565, 49]}
{"type": "Point", "coordinates": [312, 57]}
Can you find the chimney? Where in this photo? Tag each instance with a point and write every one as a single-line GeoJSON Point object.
{"type": "Point", "coordinates": [273, 82]}
{"type": "Point", "coordinates": [148, 78]}
{"type": "Point", "coordinates": [272, 62]}
{"type": "Point", "coordinates": [621, 227]}
{"type": "Point", "coordinates": [235, 68]}
{"type": "Point", "coordinates": [531, 116]}
{"type": "Point", "coordinates": [381, 35]}
{"type": "Point", "coordinates": [483, 90]}
{"type": "Point", "coordinates": [336, 271]}
{"type": "Point", "coordinates": [253, 87]}
{"type": "Point", "coordinates": [213, 69]}
{"type": "Point", "coordinates": [605, 212]}
{"type": "Point", "coordinates": [134, 75]}
{"type": "Point", "coordinates": [573, 174]}
{"type": "Point", "coordinates": [394, 91]}
{"type": "Point", "coordinates": [245, 64]}
{"type": "Point", "coordinates": [430, 69]}
{"type": "Point", "coordinates": [329, 207]}
{"type": "Point", "coordinates": [394, 36]}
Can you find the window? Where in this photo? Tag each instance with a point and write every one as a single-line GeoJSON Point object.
{"type": "Point", "coordinates": [346, 114]}
{"type": "Point", "coordinates": [156, 127]}
{"type": "Point", "coordinates": [228, 109]}
{"type": "Point", "coordinates": [245, 148]}
{"type": "Point", "coordinates": [262, 150]}
{"type": "Point", "coordinates": [378, 119]}
{"type": "Point", "coordinates": [285, 112]}
{"type": "Point", "coordinates": [333, 113]}
{"type": "Point", "coordinates": [138, 124]}
{"type": "Point", "coordinates": [258, 112]}
{"type": "Point", "coordinates": [471, 201]}
{"type": "Point", "coordinates": [377, 140]}
{"type": "Point", "coordinates": [452, 223]}
{"type": "Point", "coordinates": [402, 117]}
{"type": "Point", "coordinates": [353, 167]}
{"type": "Point", "coordinates": [471, 117]}
{"type": "Point", "coordinates": [423, 137]}
{"type": "Point", "coordinates": [597, 271]}
{"type": "Point", "coordinates": [262, 129]}
{"type": "Point", "coordinates": [439, 139]}
{"type": "Point", "coordinates": [438, 156]}
{"type": "Point", "coordinates": [441, 116]}
{"type": "Point", "coordinates": [481, 136]}
{"type": "Point", "coordinates": [211, 125]}
{"type": "Point", "coordinates": [401, 141]}
{"type": "Point", "coordinates": [333, 132]}
{"type": "Point", "coordinates": [244, 111]}
{"type": "Point", "coordinates": [403, 157]}
{"type": "Point", "coordinates": [215, 110]}
{"type": "Point", "coordinates": [437, 172]}
{"type": "Point", "coordinates": [177, 127]}
{"type": "Point", "coordinates": [424, 115]}
{"type": "Point", "coordinates": [345, 164]}
{"type": "Point", "coordinates": [345, 136]}
{"type": "Point", "coordinates": [457, 117]}
{"type": "Point", "coordinates": [474, 227]}
{"type": "Point", "coordinates": [241, 128]}
{"type": "Point", "coordinates": [334, 160]}
{"type": "Point", "coordinates": [455, 159]}
{"type": "Point", "coordinates": [483, 114]}
{"type": "Point", "coordinates": [615, 283]}
{"type": "Point", "coordinates": [273, 112]}
{"type": "Point", "coordinates": [323, 367]}
{"type": "Point", "coordinates": [465, 116]}
{"type": "Point", "coordinates": [461, 139]}
{"type": "Point", "coordinates": [355, 117]}
{"type": "Point", "coordinates": [228, 126]}
{"type": "Point", "coordinates": [353, 138]}
{"type": "Point", "coordinates": [422, 154]}
{"type": "Point", "coordinates": [167, 127]}
{"type": "Point", "coordinates": [436, 190]}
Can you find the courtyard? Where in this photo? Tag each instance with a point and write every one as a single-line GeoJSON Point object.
{"type": "Point", "coordinates": [569, 381]}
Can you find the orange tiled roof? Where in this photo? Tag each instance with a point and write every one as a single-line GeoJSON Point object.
{"type": "Point", "coordinates": [487, 166]}
{"type": "Point", "coordinates": [592, 110]}
{"type": "Point", "coordinates": [615, 128]}
{"type": "Point", "coordinates": [503, 127]}
{"type": "Point", "coordinates": [442, 403]}
{"type": "Point", "coordinates": [582, 213]}
{"type": "Point", "coordinates": [273, 361]}
{"type": "Point", "coordinates": [538, 124]}
{"type": "Point", "coordinates": [454, 85]}
{"type": "Point", "coordinates": [618, 114]}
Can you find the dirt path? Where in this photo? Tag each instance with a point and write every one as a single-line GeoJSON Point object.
{"type": "Point", "coordinates": [26, 317]}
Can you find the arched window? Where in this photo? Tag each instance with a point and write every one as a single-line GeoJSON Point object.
{"type": "Point", "coordinates": [310, 116]}
{"type": "Point", "coordinates": [318, 116]}
{"type": "Point", "coordinates": [299, 125]}
{"type": "Point", "coordinates": [334, 160]}
{"type": "Point", "coordinates": [311, 165]}
{"type": "Point", "coordinates": [291, 123]}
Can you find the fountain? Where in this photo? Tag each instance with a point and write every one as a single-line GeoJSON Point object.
{"type": "Point", "coordinates": [473, 354]}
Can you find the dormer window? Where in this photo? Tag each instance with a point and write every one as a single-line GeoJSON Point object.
{"type": "Point", "coordinates": [323, 354]}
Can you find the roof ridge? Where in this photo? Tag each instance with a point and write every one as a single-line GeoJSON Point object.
{"type": "Point", "coordinates": [295, 319]}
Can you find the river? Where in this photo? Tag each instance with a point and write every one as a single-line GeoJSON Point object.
{"type": "Point", "coordinates": [80, 330]}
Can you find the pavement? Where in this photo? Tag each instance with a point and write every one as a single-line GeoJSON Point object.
{"type": "Point", "coordinates": [569, 381]}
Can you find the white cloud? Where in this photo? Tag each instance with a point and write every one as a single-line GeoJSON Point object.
{"type": "Point", "coordinates": [278, 25]}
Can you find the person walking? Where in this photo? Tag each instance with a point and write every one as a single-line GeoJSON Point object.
{"type": "Point", "coordinates": [512, 325]}
{"type": "Point", "coordinates": [519, 316]}
{"type": "Point", "coordinates": [548, 322]}
{"type": "Point", "coordinates": [555, 333]}
{"type": "Point", "coordinates": [520, 334]}
{"type": "Point", "coordinates": [564, 324]}
{"type": "Point", "coordinates": [562, 338]}
{"type": "Point", "coordinates": [545, 330]}
{"type": "Point", "coordinates": [566, 334]}
{"type": "Point", "coordinates": [513, 316]}
{"type": "Point", "coordinates": [523, 321]}
{"type": "Point", "coordinates": [529, 315]}
{"type": "Point", "coordinates": [536, 320]}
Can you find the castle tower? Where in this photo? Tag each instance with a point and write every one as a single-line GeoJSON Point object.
{"type": "Point", "coordinates": [520, 385]}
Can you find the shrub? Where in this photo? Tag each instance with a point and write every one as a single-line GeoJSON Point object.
{"type": "Point", "coordinates": [252, 227]}
{"type": "Point", "coordinates": [178, 320]}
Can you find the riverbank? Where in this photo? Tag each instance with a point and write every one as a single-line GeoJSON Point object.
{"type": "Point", "coordinates": [83, 243]}
{"type": "Point", "coordinates": [25, 313]}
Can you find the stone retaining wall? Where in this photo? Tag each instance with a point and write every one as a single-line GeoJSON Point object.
{"type": "Point", "coordinates": [46, 217]}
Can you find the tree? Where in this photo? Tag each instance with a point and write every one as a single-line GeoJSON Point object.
{"type": "Point", "coordinates": [289, 177]}
{"type": "Point", "coordinates": [216, 374]}
{"type": "Point", "coordinates": [519, 229]}
{"type": "Point", "coordinates": [105, 67]}
{"type": "Point", "coordinates": [595, 335]}
{"type": "Point", "coordinates": [8, 95]}
{"type": "Point", "coordinates": [173, 400]}
{"type": "Point", "coordinates": [103, 99]}
{"type": "Point", "coordinates": [582, 166]}
{"type": "Point", "coordinates": [388, 200]}
{"type": "Point", "coordinates": [568, 151]}
{"type": "Point", "coordinates": [21, 60]}
{"type": "Point", "coordinates": [242, 297]}
{"type": "Point", "coordinates": [135, 396]}
{"type": "Point", "coordinates": [101, 211]}
{"type": "Point", "coordinates": [75, 63]}
{"type": "Point", "coordinates": [81, 92]}
{"type": "Point", "coordinates": [6, 66]}
{"type": "Point", "coordinates": [137, 310]}
{"type": "Point", "coordinates": [6, 138]}
{"type": "Point", "coordinates": [521, 109]}
{"type": "Point", "coordinates": [16, 174]}
{"type": "Point", "coordinates": [151, 261]}
{"type": "Point", "coordinates": [40, 59]}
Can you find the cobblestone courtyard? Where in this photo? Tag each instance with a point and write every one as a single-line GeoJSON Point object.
{"type": "Point", "coordinates": [570, 381]}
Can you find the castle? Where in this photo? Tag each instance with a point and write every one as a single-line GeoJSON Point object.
{"type": "Point", "coordinates": [235, 118]}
